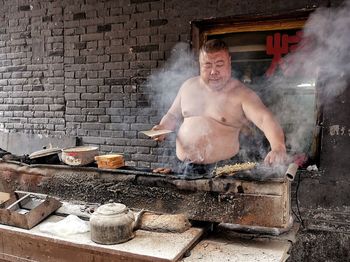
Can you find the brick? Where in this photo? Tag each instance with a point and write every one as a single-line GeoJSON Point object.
{"type": "Point", "coordinates": [15, 68]}
{"type": "Point", "coordinates": [91, 74]}
{"type": "Point", "coordinates": [142, 23]}
{"type": "Point", "coordinates": [158, 22]}
{"type": "Point", "coordinates": [92, 89]}
{"type": "Point", "coordinates": [104, 28]}
{"type": "Point", "coordinates": [104, 104]}
{"type": "Point", "coordinates": [144, 157]}
{"type": "Point", "coordinates": [92, 126]}
{"type": "Point", "coordinates": [39, 107]}
{"type": "Point", "coordinates": [93, 140]}
{"type": "Point", "coordinates": [117, 126]}
{"type": "Point", "coordinates": [143, 150]}
{"type": "Point", "coordinates": [116, 58]}
{"type": "Point", "coordinates": [92, 104]}
{"type": "Point", "coordinates": [117, 141]}
{"type": "Point", "coordinates": [92, 82]}
{"type": "Point", "coordinates": [56, 121]}
{"type": "Point", "coordinates": [120, 81]}
{"type": "Point", "coordinates": [81, 104]}
{"type": "Point", "coordinates": [92, 59]}
{"type": "Point", "coordinates": [91, 37]}
{"type": "Point", "coordinates": [144, 31]}
{"type": "Point", "coordinates": [61, 128]}
{"type": "Point", "coordinates": [138, 127]}
{"type": "Point", "coordinates": [93, 111]}
{"type": "Point", "coordinates": [90, 118]}
{"type": "Point", "coordinates": [143, 64]}
{"type": "Point", "coordinates": [71, 96]}
{"type": "Point", "coordinates": [145, 48]}
{"type": "Point", "coordinates": [18, 107]}
{"type": "Point", "coordinates": [116, 65]}
{"type": "Point", "coordinates": [80, 60]}
{"type": "Point", "coordinates": [38, 121]}
{"type": "Point", "coordinates": [92, 96]}
{"type": "Point", "coordinates": [81, 45]}
{"type": "Point", "coordinates": [56, 107]}
{"type": "Point", "coordinates": [48, 100]}
{"type": "Point", "coordinates": [109, 133]}
{"type": "Point", "coordinates": [143, 56]}
{"type": "Point", "coordinates": [104, 119]}
{"type": "Point", "coordinates": [143, 142]}
{"type": "Point", "coordinates": [79, 16]}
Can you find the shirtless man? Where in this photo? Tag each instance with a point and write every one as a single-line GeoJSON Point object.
{"type": "Point", "coordinates": [213, 107]}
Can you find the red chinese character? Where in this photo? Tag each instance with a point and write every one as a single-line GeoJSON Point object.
{"type": "Point", "coordinates": [277, 47]}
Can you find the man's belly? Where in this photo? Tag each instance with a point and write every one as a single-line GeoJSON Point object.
{"type": "Point", "coordinates": [204, 140]}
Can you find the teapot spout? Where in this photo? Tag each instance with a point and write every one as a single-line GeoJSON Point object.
{"type": "Point", "coordinates": [137, 221]}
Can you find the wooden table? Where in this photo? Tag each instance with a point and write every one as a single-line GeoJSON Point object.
{"type": "Point", "coordinates": [18, 244]}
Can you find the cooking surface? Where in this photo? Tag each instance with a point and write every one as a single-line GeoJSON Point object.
{"type": "Point", "coordinates": [260, 173]}
{"type": "Point", "coordinates": [223, 199]}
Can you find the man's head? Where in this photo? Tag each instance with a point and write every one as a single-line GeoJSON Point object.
{"type": "Point", "coordinates": [215, 64]}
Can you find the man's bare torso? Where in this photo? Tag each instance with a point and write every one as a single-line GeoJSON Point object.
{"type": "Point", "coordinates": [211, 122]}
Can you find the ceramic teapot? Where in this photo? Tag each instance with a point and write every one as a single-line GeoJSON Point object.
{"type": "Point", "coordinates": [112, 223]}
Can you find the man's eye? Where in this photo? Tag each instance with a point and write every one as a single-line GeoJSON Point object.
{"type": "Point", "coordinates": [207, 65]}
{"type": "Point", "coordinates": [220, 65]}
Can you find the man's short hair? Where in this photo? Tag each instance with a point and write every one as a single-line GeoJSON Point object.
{"type": "Point", "coordinates": [213, 45]}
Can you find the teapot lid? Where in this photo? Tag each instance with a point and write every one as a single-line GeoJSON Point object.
{"type": "Point", "coordinates": [111, 209]}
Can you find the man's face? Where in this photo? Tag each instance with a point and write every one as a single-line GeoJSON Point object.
{"type": "Point", "coordinates": [215, 69]}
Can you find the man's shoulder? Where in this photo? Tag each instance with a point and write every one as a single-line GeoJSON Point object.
{"type": "Point", "coordinates": [240, 92]}
{"type": "Point", "coordinates": [237, 87]}
{"type": "Point", "coordinates": [190, 83]}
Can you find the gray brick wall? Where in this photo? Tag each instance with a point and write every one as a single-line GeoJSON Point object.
{"type": "Point", "coordinates": [80, 67]}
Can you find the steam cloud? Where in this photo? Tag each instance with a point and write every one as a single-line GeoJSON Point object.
{"type": "Point", "coordinates": [323, 59]}
{"type": "Point", "coordinates": [327, 58]}
{"type": "Point", "coordinates": [179, 67]}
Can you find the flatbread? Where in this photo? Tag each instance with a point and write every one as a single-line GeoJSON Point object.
{"type": "Point", "coordinates": [154, 133]}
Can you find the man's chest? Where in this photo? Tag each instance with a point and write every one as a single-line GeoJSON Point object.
{"type": "Point", "coordinates": [222, 108]}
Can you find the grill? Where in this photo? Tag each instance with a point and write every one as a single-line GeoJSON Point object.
{"type": "Point", "coordinates": [258, 197]}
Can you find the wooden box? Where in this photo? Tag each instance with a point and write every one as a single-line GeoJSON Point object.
{"type": "Point", "coordinates": [26, 209]}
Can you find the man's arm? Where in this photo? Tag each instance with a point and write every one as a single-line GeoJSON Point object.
{"type": "Point", "coordinates": [171, 118]}
{"type": "Point", "coordinates": [262, 117]}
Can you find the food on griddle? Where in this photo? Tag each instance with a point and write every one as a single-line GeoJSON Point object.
{"type": "Point", "coordinates": [162, 170]}
{"type": "Point", "coordinates": [232, 169]}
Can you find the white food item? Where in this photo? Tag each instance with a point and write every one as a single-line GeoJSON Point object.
{"type": "Point", "coordinates": [68, 226]}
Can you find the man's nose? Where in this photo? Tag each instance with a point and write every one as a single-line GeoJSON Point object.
{"type": "Point", "coordinates": [213, 70]}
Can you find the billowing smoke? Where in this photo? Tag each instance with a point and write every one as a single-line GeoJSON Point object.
{"type": "Point", "coordinates": [322, 60]}
{"type": "Point", "coordinates": [324, 54]}
{"type": "Point", "coordinates": [181, 65]}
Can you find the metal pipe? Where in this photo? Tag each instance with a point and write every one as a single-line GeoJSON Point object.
{"type": "Point", "coordinates": [291, 171]}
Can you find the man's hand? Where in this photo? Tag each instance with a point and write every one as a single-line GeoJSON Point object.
{"type": "Point", "coordinates": [276, 157]}
{"type": "Point", "coordinates": [161, 137]}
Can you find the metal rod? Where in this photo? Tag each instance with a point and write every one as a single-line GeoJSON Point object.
{"type": "Point", "coordinates": [18, 201]}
